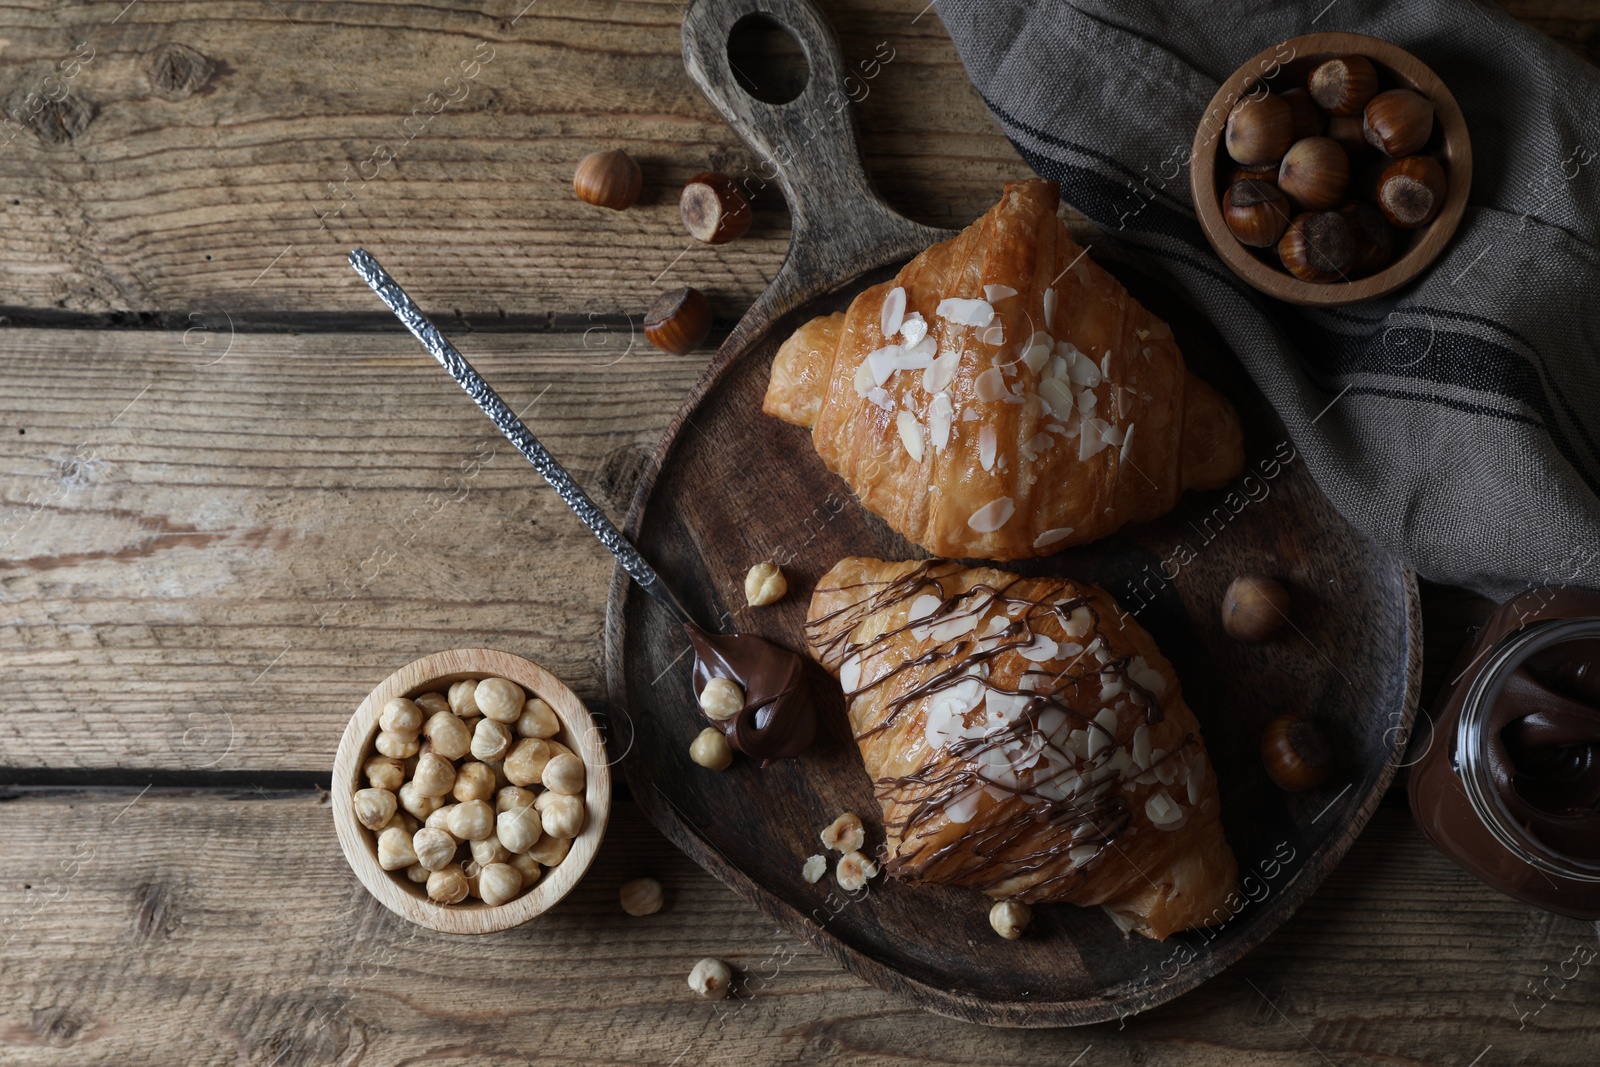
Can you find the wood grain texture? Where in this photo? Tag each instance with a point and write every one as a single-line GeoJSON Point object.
{"type": "Point", "coordinates": [149, 940]}
{"type": "Point", "coordinates": [207, 567]}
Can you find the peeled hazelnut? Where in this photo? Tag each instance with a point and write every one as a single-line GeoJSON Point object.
{"type": "Point", "coordinates": [678, 320]}
{"type": "Point", "coordinates": [439, 818]}
{"type": "Point", "coordinates": [1260, 130]}
{"type": "Point", "coordinates": [397, 746]}
{"type": "Point", "coordinates": [400, 716]}
{"type": "Point", "coordinates": [474, 781]}
{"type": "Point", "coordinates": [435, 849]}
{"type": "Point", "coordinates": [417, 873]}
{"type": "Point", "coordinates": [405, 820]}
{"type": "Point", "coordinates": [448, 885]}
{"type": "Point", "coordinates": [710, 979]}
{"type": "Point", "coordinates": [1317, 246]}
{"type": "Point", "coordinates": [528, 867]}
{"type": "Point", "coordinates": [1308, 119]}
{"type": "Point", "coordinates": [524, 764]}
{"type": "Point", "coordinates": [500, 699]}
{"type": "Point", "coordinates": [714, 209]}
{"type": "Point", "coordinates": [608, 179]}
{"type": "Point", "coordinates": [512, 797]}
{"type": "Point", "coordinates": [642, 896]}
{"type": "Point", "coordinates": [854, 871]}
{"type": "Point", "coordinates": [1295, 752]}
{"type": "Point", "coordinates": [373, 807]}
{"type": "Point", "coordinates": [550, 851]}
{"type": "Point", "coordinates": [385, 772]}
{"type": "Point", "coordinates": [463, 697]}
{"type": "Point", "coordinates": [1346, 132]}
{"type": "Point", "coordinates": [498, 883]}
{"type": "Point", "coordinates": [562, 816]}
{"type": "Point", "coordinates": [721, 699]}
{"type": "Point", "coordinates": [1315, 173]}
{"type": "Point", "coordinates": [845, 834]}
{"type": "Point", "coordinates": [471, 821]}
{"type": "Point", "coordinates": [711, 750]}
{"type": "Point", "coordinates": [538, 719]}
{"type": "Point", "coordinates": [563, 774]}
{"type": "Point", "coordinates": [814, 868]}
{"type": "Point", "coordinates": [1411, 191]}
{"type": "Point", "coordinates": [489, 850]}
{"type": "Point", "coordinates": [394, 849]}
{"type": "Point", "coordinates": [1344, 84]}
{"type": "Point", "coordinates": [1398, 122]}
{"type": "Point", "coordinates": [1254, 608]}
{"type": "Point", "coordinates": [471, 869]}
{"type": "Point", "coordinates": [431, 703]}
{"type": "Point", "coordinates": [1010, 918]}
{"type": "Point", "coordinates": [490, 739]}
{"type": "Point", "coordinates": [416, 801]}
{"type": "Point", "coordinates": [434, 775]}
{"type": "Point", "coordinates": [1256, 211]}
{"type": "Point", "coordinates": [764, 584]}
{"type": "Point", "coordinates": [447, 735]}
{"type": "Point", "coordinates": [518, 829]}
{"type": "Point", "coordinates": [1374, 238]}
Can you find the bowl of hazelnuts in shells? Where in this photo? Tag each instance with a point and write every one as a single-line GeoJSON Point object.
{"type": "Point", "coordinates": [470, 791]}
{"type": "Point", "coordinates": [1330, 169]}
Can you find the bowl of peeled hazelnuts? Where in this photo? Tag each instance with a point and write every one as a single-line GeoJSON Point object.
{"type": "Point", "coordinates": [1330, 169]}
{"type": "Point", "coordinates": [470, 791]}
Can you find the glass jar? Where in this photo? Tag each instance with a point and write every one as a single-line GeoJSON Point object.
{"type": "Point", "coordinates": [1510, 788]}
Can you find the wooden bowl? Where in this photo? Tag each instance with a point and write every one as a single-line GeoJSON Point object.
{"type": "Point", "coordinates": [1285, 66]}
{"type": "Point", "coordinates": [407, 898]}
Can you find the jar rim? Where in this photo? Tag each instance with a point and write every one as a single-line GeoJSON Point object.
{"type": "Point", "coordinates": [1470, 764]}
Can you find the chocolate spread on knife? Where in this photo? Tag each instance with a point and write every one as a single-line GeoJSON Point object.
{"type": "Point", "coordinates": [1541, 748]}
{"type": "Point", "coordinates": [778, 720]}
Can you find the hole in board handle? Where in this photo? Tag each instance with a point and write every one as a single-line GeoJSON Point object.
{"type": "Point", "coordinates": [767, 60]}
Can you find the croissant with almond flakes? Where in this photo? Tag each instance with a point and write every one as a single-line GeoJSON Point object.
{"type": "Point", "coordinates": [1004, 397]}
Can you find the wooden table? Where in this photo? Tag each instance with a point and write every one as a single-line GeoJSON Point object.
{"type": "Point", "coordinates": [236, 496]}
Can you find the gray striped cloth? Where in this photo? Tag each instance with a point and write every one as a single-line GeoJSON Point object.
{"type": "Point", "coordinates": [1457, 421]}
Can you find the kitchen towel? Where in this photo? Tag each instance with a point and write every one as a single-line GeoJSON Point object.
{"type": "Point", "coordinates": [1457, 422]}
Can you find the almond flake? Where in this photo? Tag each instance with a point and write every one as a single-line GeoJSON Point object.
{"type": "Point", "coordinates": [1087, 401]}
{"type": "Point", "coordinates": [1105, 364]}
{"type": "Point", "coordinates": [993, 335]}
{"type": "Point", "coordinates": [913, 328]}
{"type": "Point", "coordinates": [1041, 442]}
{"type": "Point", "coordinates": [986, 447]}
{"type": "Point", "coordinates": [923, 606]}
{"type": "Point", "coordinates": [1057, 395]}
{"type": "Point", "coordinates": [1082, 371]}
{"type": "Point", "coordinates": [910, 434]}
{"type": "Point", "coordinates": [990, 385]}
{"type": "Point", "coordinates": [996, 293]}
{"type": "Point", "coordinates": [993, 515]}
{"type": "Point", "coordinates": [1163, 810]}
{"type": "Point", "coordinates": [938, 375]}
{"type": "Point", "coordinates": [1127, 442]}
{"type": "Point", "coordinates": [1050, 537]}
{"type": "Point", "coordinates": [965, 311]}
{"type": "Point", "coordinates": [864, 379]}
{"type": "Point", "coordinates": [917, 358]}
{"type": "Point", "coordinates": [850, 674]}
{"type": "Point", "coordinates": [941, 414]}
{"type": "Point", "coordinates": [1081, 854]}
{"type": "Point", "coordinates": [1090, 442]}
{"type": "Point", "coordinates": [1049, 309]}
{"type": "Point", "coordinates": [882, 361]}
{"type": "Point", "coordinates": [880, 396]}
{"type": "Point", "coordinates": [1036, 350]}
{"type": "Point", "coordinates": [894, 310]}
{"type": "Point", "coordinates": [969, 415]}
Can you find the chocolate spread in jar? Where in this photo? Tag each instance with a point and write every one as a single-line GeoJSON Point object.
{"type": "Point", "coordinates": [778, 720]}
{"type": "Point", "coordinates": [1511, 788]}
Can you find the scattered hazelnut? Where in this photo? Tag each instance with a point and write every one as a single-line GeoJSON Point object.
{"type": "Point", "coordinates": [1295, 752]}
{"type": "Point", "coordinates": [397, 746]}
{"type": "Point", "coordinates": [463, 698]}
{"type": "Point", "coordinates": [710, 979]}
{"type": "Point", "coordinates": [400, 716]}
{"type": "Point", "coordinates": [474, 781]}
{"type": "Point", "coordinates": [394, 849]}
{"type": "Point", "coordinates": [764, 584]}
{"type": "Point", "coordinates": [524, 764]}
{"type": "Point", "coordinates": [845, 834]}
{"type": "Point", "coordinates": [1373, 236]}
{"type": "Point", "coordinates": [447, 735]}
{"type": "Point", "coordinates": [1307, 118]}
{"type": "Point", "coordinates": [490, 739]}
{"type": "Point", "coordinates": [1256, 211]}
{"type": "Point", "coordinates": [518, 829]}
{"type": "Point", "coordinates": [721, 699]}
{"type": "Point", "coordinates": [1260, 130]}
{"type": "Point", "coordinates": [435, 849]}
{"type": "Point", "coordinates": [563, 774]}
{"type": "Point", "coordinates": [1411, 191]}
{"type": "Point", "coordinates": [528, 867]}
{"type": "Point", "coordinates": [385, 772]}
{"type": "Point", "coordinates": [448, 885]}
{"type": "Point", "coordinates": [1010, 918]}
{"type": "Point", "coordinates": [1398, 122]}
{"type": "Point", "coordinates": [471, 821]}
{"type": "Point", "coordinates": [431, 703]}
{"type": "Point", "coordinates": [434, 775]}
{"type": "Point", "coordinates": [814, 868]}
{"type": "Point", "coordinates": [489, 850]}
{"type": "Point", "coordinates": [710, 749]}
{"type": "Point", "coordinates": [714, 209]}
{"type": "Point", "coordinates": [562, 816]}
{"type": "Point", "coordinates": [498, 883]}
{"type": "Point", "coordinates": [500, 699]}
{"type": "Point", "coordinates": [416, 802]}
{"type": "Point", "coordinates": [1343, 85]}
{"type": "Point", "coordinates": [373, 807]}
{"type": "Point", "coordinates": [512, 797]}
{"type": "Point", "coordinates": [608, 179]}
{"type": "Point", "coordinates": [854, 871]}
{"type": "Point", "coordinates": [538, 719]}
{"type": "Point", "coordinates": [642, 896]}
{"type": "Point", "coordinates": [678, 321]}
{"type": "Point", "coordinates": [1254, 608]}
{"type": "Point", "coordinates": [1315, 173]}
{"type": "Point", "coordinates": [550, 851]}
{"type": "Point", "coordinates": [1317, 246]}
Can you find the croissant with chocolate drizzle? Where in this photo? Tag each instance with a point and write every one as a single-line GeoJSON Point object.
{"type": "Point", "coordinates": [1025, 737]}
{"type": "Point", "coordinates": [1004, 397]}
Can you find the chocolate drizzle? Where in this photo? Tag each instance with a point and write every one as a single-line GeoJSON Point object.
{"type": "Point", "coordinates": [1068, 799]}
{"type": "Point", "coordinates": [778, 720]}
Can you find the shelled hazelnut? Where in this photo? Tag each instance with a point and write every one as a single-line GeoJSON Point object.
{"type": "Point", "coordinates": [764, 584]}
{"type": "Point", "coordinates": [710, 749]}
{"type": "Point", "coordinates": [678, 320]}
{"type": "Point", "coordinates": [721, 699]}
{"type": "Point", "coordinates": [445, 817]}
{"type": "Point", "coordinates": [710, 979]}
{"type": "Point", "coordinates": [1010, 918]}
{"type": "Point", "coordinates": [642, 896]}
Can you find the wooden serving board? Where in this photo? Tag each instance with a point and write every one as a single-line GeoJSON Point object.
{"type": "Point", "coordinates": [731, 487]}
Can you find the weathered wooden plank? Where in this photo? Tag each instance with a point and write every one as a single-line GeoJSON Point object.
{"type": "Point", "coordinates": [229, 927]}
{"type": "Point", "coordinates": [208, 566]}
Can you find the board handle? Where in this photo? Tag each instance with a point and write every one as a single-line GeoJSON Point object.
{"type": "Point", "coordinates": [841, 229]}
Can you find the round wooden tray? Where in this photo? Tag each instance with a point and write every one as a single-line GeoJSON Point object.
{"type": "Point", "coordinates": [404, 897]}
{"type": "Point", "coordinates": [1397, 68]}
